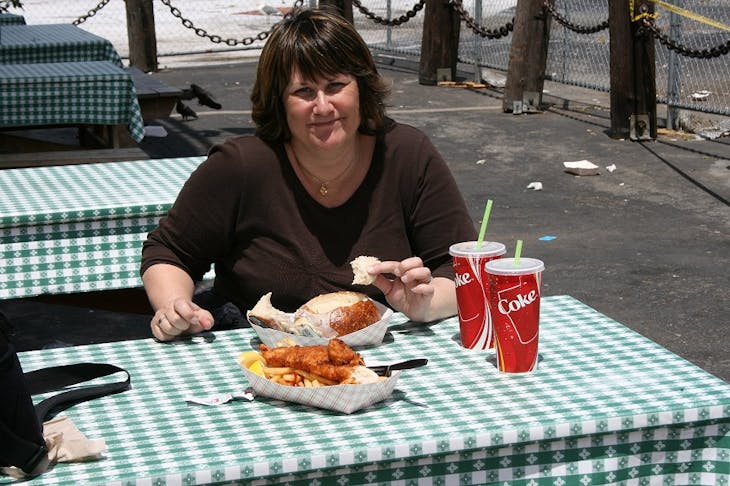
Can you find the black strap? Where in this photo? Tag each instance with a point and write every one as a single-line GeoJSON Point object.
{"type": "Point", "coordinates": [57, 377]}
{"type": "Point", "coordinates": [21, 439]}
{"type": "Point", "coordinates": [32, 458]}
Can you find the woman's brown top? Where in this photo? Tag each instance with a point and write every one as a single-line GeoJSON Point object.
{"type": "Point", "coordinates": [245, 211]}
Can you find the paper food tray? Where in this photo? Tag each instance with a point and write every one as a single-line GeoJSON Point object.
{"type": "Point", "coordinates": [369, 336]}
{"type": "Point", "coordinates": [340, 398]}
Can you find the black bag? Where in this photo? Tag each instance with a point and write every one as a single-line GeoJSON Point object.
{"type": "Point", "coordinates": [21, 423]}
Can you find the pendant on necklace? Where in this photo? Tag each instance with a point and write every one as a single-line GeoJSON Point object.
{"type": "Point", "coordinates": [323, 190]}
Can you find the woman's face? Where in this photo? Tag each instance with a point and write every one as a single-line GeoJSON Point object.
{"type": "Point", "coordinates": [323, 113]}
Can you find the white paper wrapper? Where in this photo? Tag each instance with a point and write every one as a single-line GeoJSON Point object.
{"type": "Point", "coordinates": [369, 336]}
{"type": "Point", "coordinates": [340, 398]}
{"type": "Point", "coordinates": [581, 168]}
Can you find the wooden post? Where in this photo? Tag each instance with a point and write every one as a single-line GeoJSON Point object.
{"type": "Point", "coordinates": [141, 33]}
{"type": "Point", "coordinates": [343, 6]}
{"type": "Point", "coordinates": [633, 76]}
{"type": "Point", "coordinates": [528, 56]}
{"type": "Point", "coordinates": [440, 42]}
{"type": "Point", "coordinates": [621, 67]}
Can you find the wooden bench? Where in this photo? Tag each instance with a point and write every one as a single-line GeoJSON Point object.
{"type": "Point", "coordinates": [79, 228]}
{"type": "Point", "coordinates": [30, 156]}
{"type": "Point", "coordinates": [156, 99]}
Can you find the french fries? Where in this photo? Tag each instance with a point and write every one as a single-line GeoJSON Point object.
{"type": "Point", "coordinates": [292, 377]}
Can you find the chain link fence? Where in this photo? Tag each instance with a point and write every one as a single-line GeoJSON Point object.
{"type": "Point", "coordinates": [692, 38]}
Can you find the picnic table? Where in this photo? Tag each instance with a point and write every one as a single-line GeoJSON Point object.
{"type": "Point", "coordinates": [69, 93]}
{"type": "Point", "coordinates": [30, 44]}
{"type": "Point", "coordinates": [79, 228]}
{"type": "Point", "coordinates": [605, 406]}
{"type": "Point", "coordinates": [7, 18]}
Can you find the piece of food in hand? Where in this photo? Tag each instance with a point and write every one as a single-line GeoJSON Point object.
{"type": "Point", "coordinates": [360, 267]}
{"type": "Point", "coordinates": [327, 315]}
{"type": "Point", "coordinates": [333, 364]}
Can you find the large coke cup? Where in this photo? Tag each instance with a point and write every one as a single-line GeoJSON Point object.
{"type": "Point", "coordinates": [472, 289]}
{"type": "Point", "coordinates": [514, 290]}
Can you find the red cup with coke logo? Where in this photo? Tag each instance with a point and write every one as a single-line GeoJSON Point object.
{"type": "Point", "coordinates": [472, 291]}
{"type": "Point", "coordinates": [514, 291]}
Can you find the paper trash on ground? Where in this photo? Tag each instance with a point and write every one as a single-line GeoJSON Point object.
{"type": "Point", "coordinates": [154, 131]}
{"type": "Point", "coordinates": [581, 168]}
{"type": "Point", "coordinates": [535, 185]}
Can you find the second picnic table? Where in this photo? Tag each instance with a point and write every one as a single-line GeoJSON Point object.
{"type": "Point", "coordinates": [69, 93]}
{"type": "Point", "coordinates": [28, 44]}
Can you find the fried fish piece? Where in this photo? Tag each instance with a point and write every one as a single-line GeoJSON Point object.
{"type": "Point", "coordinates": [336, 361]}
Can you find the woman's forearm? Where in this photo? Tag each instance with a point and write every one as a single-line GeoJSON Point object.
{"type": "Point", "coordinates": [164, 283]}
{"type": "Point", "coordinates": [443, 303]}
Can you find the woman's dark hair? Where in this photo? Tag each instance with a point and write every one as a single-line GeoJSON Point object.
{"type": "Point", "coordinates": [318, 43]}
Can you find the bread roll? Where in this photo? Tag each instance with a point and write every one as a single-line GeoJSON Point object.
{"type": "Point", "coordinates": [360, 267]}
{"type": "Point", "coordinates": [344, 311]}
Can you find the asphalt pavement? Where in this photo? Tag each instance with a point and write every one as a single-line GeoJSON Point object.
{"type": "Point", "coordinates": [646, 241]}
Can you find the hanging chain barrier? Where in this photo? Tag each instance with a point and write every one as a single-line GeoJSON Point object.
{"type": "Point", "coordinates": [391, 22]}
{"type": "Point", "coordinates": [6, 4]}
{"type": "Point", "coordinates": [478, 29]}
{"type": "Point", "coordinates": [580, 29]}
{"type": "Point", "coordinates": [718, 51]}
{"type": "Point", "coordinates": [91, 12]}
{"type": "Point", "coordinates": [246, 41]}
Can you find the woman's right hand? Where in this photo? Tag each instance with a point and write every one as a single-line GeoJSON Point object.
{"type": "Point", "coordinates": [180, 317]}
{"type": "Point", "coordinates": [170, 292]}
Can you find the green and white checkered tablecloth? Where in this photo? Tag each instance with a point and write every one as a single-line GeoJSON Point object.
{"type": "Point", "coordinates": [605, 406]}
{"type": "Point", "coordinates": [69, 93]}
{"type": "Point", "coordinates": [7, 18]}
{"type": "Point", "coordinates": [84, 192]}
{"type": "Point", "coordinates": [77, 228]}
{"type": "Point", "coordinates": [30, 44]}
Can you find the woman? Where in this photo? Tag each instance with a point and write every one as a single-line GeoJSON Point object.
{"type": "Point", "coordinates": [326, 178]}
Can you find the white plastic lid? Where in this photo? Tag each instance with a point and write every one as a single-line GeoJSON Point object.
{"type": "Point", "coordinates": [506, 266]}
{"type": "Point", "coordinates": [469, 249]}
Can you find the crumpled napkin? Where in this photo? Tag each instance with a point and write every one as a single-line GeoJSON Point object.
{"type": "Point", "coordinates": [65, 443]}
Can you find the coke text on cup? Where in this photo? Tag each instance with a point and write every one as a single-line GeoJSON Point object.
{"type": "Point", "coordinates": [516, 315]}
{"type": "Point", "coordinates": [472, 292]}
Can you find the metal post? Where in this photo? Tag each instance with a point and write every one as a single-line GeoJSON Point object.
{"type": "Point", "coordinates": [477, 42]}
{"type": "Point", "coordinates": [674, 75]}
{"type": "Point", "coordinates": [389, 28]}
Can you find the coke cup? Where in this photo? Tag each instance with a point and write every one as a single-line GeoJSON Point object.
{"type": "Point", "coordinates": [472, 289]}
{"type": "Point", "coordinates": [514, 292]}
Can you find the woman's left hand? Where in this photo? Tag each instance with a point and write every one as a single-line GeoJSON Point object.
{"type": "Point", "coordinates": [413, 290]}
